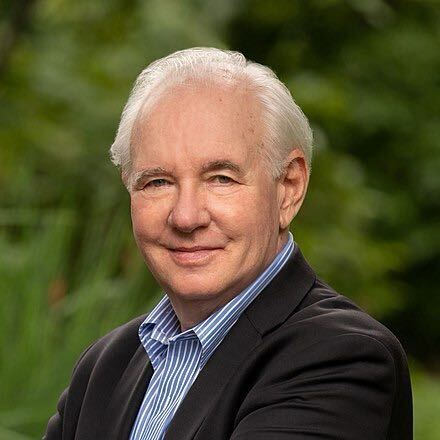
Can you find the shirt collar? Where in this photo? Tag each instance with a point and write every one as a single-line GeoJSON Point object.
{"type": "Point", "coordinates": [161, 324]}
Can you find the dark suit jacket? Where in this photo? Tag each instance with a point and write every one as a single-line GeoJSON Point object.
{"type": "Point", "coordinates": [302, 362]}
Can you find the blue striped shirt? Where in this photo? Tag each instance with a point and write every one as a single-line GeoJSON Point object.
{"type": "Point", "coordinates": [178, 357]}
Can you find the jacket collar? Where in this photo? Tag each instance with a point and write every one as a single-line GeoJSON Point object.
{"type": "Point", "coordinates": [283, 295]}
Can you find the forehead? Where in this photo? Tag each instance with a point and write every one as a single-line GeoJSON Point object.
{"type": "Point", "coordinates": [196, 124]}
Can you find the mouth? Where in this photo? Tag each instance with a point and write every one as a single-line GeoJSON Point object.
{"type": "Point", "coordinates": [195, 256]}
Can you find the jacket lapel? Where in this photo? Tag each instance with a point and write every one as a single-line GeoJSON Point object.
{"type": "Point", "coordinates": [283, 295]}
{"type": "Point", "coordinates": [270, 309]}
{"type": "Point", "coordinates": [238, 343]}
{"type": "Point", "coordinates": [127, 397]}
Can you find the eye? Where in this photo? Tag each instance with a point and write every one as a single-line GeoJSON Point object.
{"type": "Point", "coordinates": [223, 179]}
{"type": "Point", "coordinates": [156, 183]}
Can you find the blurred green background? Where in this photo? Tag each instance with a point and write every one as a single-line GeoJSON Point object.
{"type": "Point", "coordinates": [366, 72]}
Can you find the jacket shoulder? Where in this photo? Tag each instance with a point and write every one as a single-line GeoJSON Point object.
{"type": "Point", "coordinates": [94, 375]}
{"type": "Point", "coordinates": [121, 341]}
{"type": "Point", "coordinates": [331, 314]}
{"type": "Point", "coordinates": [328, 359]}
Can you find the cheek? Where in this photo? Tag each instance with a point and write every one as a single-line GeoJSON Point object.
{"type": "Point", "coordinates": [248, 211]}
{"type": "Point", "coordinates": [266, 214]}
{"type": "Point", "coordinates": [231, 214]}
{"type": "Point", "coordinates": [136, 216]}
{"type": "Point", "coordinates": [145, 219]}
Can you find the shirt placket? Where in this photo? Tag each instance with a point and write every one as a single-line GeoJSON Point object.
{"type": "Point", "coordinates": [181, 365]}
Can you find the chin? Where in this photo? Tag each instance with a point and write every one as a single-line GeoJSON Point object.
{"type": "Point", "coordinates": [193, 290]}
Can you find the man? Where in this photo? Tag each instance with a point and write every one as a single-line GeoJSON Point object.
{"type": "Point", "coordinates": [247, 343]}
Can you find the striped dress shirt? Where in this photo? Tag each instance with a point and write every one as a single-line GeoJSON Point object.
{"type": "Point", "coordinates": [178, 357]}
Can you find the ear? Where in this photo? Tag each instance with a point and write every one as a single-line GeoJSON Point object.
{"type": "Point", "coordinates": [292, 187]}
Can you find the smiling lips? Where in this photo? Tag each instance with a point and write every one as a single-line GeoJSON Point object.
{"type": "Point", "coordinates": [193, 256]}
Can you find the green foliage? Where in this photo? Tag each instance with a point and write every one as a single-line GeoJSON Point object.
{"type": "Point", "coordinates": [57, 303]}
{"type": "Point", "coordinates": [366, 74]}
{"type": "Point", "coordinates": [426, 389]}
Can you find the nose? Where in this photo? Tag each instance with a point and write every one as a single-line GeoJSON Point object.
{"type": "Point", "coordinates": [189, 210]}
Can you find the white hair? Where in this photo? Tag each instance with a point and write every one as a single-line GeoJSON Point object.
{"type": "Point", "coordinates": [286, 126]}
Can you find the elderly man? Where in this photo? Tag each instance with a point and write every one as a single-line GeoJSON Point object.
{"type": "Point", "coordinates": [246, 344]}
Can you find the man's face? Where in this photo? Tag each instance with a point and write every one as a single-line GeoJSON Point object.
{"type": "Point", "coordinates": [204, 208]}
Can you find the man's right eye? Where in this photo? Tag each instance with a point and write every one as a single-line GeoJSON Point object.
{"type": "Point", "coordinates": [156, 183]}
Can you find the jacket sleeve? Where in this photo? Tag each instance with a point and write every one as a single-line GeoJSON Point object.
{"type": "Point", "coordinates": [347, 387]}
{"type": "Point", "coordinates": [54, 430]}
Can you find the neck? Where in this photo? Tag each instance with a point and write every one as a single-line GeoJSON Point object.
{"type": "Point", "coordinates": [194, 311]}
{"type": "Point", "coordinates": [282, 239]}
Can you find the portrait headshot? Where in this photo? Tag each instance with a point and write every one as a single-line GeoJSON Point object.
{"type": "Point", "coordinates": [247, 342]}
{"type": "Point", "coordinates": [218, 220]}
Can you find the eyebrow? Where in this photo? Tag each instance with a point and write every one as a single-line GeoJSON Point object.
{"type": "Point", "coordinates": [214, 165]}
{"type": "Point", "coordinates": [140, 176]}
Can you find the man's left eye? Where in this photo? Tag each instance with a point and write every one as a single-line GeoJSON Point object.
{"type": "Point", "coordinates": [223, 179]}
